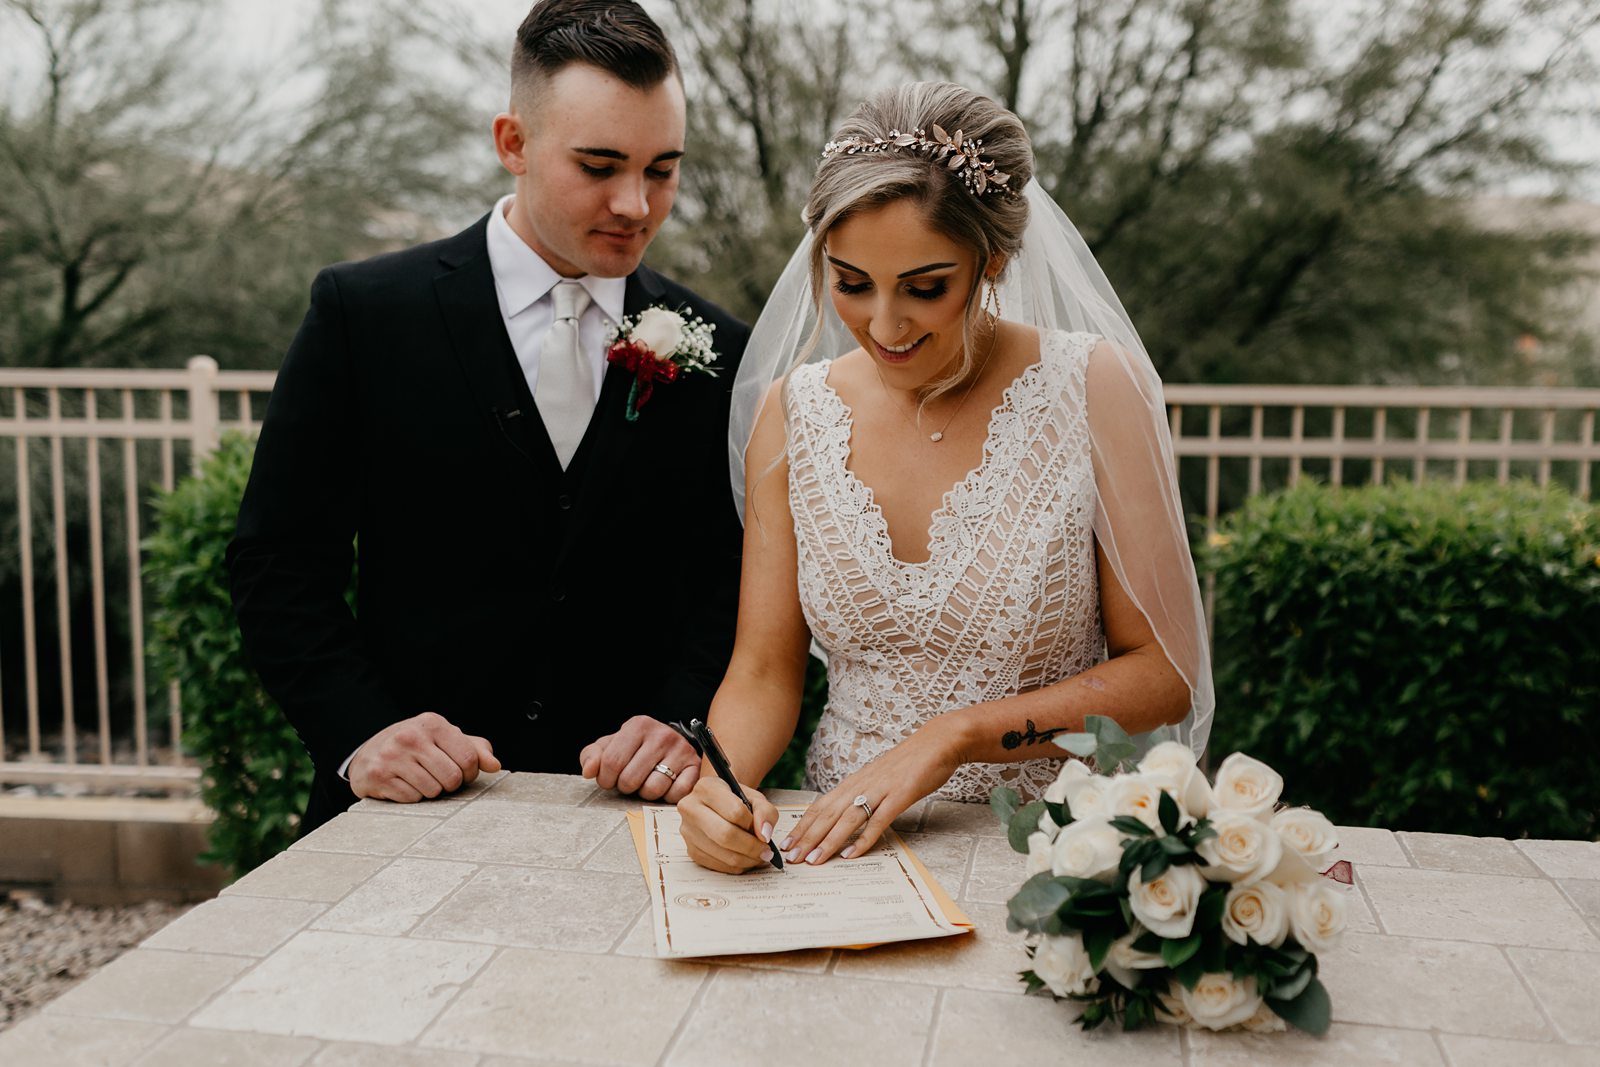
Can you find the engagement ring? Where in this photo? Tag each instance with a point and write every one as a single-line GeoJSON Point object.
{"type": "Point", "coordinates": [861, 802]}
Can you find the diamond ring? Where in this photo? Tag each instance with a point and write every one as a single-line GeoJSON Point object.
{"type": "Point", "coordinates": [861, 802]}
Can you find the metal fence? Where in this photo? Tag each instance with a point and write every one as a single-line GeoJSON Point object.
{"type": "Point", "coordinates": [83, 452]}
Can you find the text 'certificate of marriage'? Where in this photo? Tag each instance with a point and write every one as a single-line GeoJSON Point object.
{"type": "Point", "coordinates": [885, 895]}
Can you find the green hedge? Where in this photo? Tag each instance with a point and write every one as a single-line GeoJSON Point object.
{"type": "Point", "coordinates": [255, 775]}
{"type": "Point", "coordinates": [1423, 658]}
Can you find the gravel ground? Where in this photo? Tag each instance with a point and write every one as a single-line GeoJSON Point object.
{"type": "Point", "coordinates": [45, 949]}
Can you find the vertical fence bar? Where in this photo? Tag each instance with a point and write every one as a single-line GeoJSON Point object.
{"type": "Point", "coordinates": [1213, 466]}
{"type": "Point", "coordinates": [97, 579]}
{"type": "Point", "coordinates": [1380, 435]}
{"type": "Point", "coordinates": [1336, 464]}
{"type": "Point", "coordinates": [1585, 438]}
{"type": "Point", "coordinates": [1257, 418]}
{"type": "Point", "coordinates": [1547, 437]}
{"type": "Point", "coordinates": [1463, 439]}
{"type": "Point", "coordinates": [130, 499]}
{"type": "Point", "coordinates": [1503, 467]}
{"type": "Point", "coordinates": [168, 480]}
{"type": "Point", "coordinates": [30, 636]}
{"type": "Point", "coordinates": [58, 497]}
{"type": "Point", "coordinates": [1297, 431]}
{"type": "Point", "coordinates": [204, 420]}
{"type": "Point", "coordinates": [1419, 463]}
{"type": "Point", "coordinates": [245, 421]}
{"type": "Point", "coordinates": [166, 440]}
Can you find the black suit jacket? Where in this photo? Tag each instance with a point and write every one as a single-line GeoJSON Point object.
{"type": "Point", "coordinates": [537, 607]}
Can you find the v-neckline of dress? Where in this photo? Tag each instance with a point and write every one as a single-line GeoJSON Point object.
{"type": "Point", "coordinates": [963, 486]}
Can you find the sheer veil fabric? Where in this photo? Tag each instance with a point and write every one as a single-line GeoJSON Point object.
{"type": "Point", "coordinates": [1054, 284]}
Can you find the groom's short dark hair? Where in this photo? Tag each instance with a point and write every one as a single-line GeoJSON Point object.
{"type": "Point", "coordinates": [617, 36]}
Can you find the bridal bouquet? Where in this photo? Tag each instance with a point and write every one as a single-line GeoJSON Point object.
{"type": "Point", "coordinates": [1156, 896]}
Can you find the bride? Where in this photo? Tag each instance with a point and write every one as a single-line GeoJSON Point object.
{"type": "Point", "coordinates": [959, 485]}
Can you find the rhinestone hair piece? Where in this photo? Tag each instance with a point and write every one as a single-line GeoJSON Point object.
{"type": "Point", "coordinates": [954, 150]}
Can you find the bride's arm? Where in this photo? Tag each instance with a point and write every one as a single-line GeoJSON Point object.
{"type": "Point", "coordinates": [758, 704]}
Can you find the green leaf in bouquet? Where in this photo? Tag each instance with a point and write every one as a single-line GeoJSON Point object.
{"type": "Point", "coordinates": [1094, 1013]}
{"type": "Point", "coordinates": [1213, 954]}
{"type": "Point", "coordinates": [1097, 941]}
{"type": "Point", "coordinates": [1148, 942]}
{"type": "Point", "coordinates": [1175, 848]}
{"type": "Point", "coordinates": [1129, 825]}
{"type": "Point", "coordinates": [1161, 735]}
{"type": "Point", "coordinates": [1084, 888]}
{"type": "Point", "coordinates": [1024, 824]}
{"type": "Point", "coordinates": [1113, 745]}
{"type": "Point", "coordinates": [1034, 982]}
{"type": "Point", "coordinates": [1200, 831]}
{"type": "Point", "coordinates": [1154, 867]}
{"type": "Point", "coordinates": [1292, 987]}
{"type": "Point", "coordinates": [1082, 745]}
{"type": "Point", "coordinates": [1127, 905]}
{"type": "Point", "coordinates": [1175, 951]}
{"type": "Point", "coordinates": [1039, 898]}
{"type": "Point", "coordinates": [1189, 971]}
{"type": "Point", "coordinates": [1004, 801]}
{"type": "Point", "coordinates": [1012, 926]}
{"type": "Point", "coordinates": [1167, 811]}
{"type": "Point", "coordinates": [1058, 812]}
{"type": "Point", "coordinates": [1311, 1011]}
{"type": "Point", "coordinates": [1138, 1014]}
{"type": "Point", "coordinates": [1213, 902]}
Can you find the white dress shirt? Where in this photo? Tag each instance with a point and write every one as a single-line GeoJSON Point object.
{"type": "Point", "coordinates": [522, 284]}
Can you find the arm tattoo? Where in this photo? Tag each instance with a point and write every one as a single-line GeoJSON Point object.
{"type": "Point", "coordinates": [1034, 736]}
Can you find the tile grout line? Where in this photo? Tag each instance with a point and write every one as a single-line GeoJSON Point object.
{"type": "Point", "coordinates": [966, 873]}
{"type": "Point", "coordinates": [416, 1042]}
{"type": "Point", "coordinates": [683, 1023]}
{"type": "Point", "coordinates": [1594, 923]}
{"type": "Point", "coordinates": [934, 1019]}
{"type": "Point", "coordinates": [1538, 1002]}
{"type": "Point", "coordinates": [1438, 1043]}
{"type": "Point", "coordinates": [1361, 888]}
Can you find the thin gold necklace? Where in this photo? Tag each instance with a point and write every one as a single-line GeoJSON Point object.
{"type": "Point", "coordinates": [938, 435]}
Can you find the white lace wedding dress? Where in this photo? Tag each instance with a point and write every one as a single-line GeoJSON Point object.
{"type": "Point", "coordinates": [1006, 602]}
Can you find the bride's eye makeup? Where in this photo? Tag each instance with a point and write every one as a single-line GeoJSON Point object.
{"type": "Point", "coordinates": [850, 289]}
{"type": "Point", "coordinates": [932, 292]}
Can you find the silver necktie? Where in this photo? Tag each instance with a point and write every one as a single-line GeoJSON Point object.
{"type": "Point", "coordinates": [566, 382]}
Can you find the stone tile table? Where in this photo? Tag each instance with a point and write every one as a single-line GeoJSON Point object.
{"type": "Point", "coordinates": [509, 925]}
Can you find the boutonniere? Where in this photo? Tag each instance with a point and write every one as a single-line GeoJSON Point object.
{"type": "Point", "coordinates": [659, 345]}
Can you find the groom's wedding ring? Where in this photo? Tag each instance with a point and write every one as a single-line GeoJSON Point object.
{"type": "Point", "coordinates": [668, 771]}
{"type": "Point", "coordinates": [861, 802]}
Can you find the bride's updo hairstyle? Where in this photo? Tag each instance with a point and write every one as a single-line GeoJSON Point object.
{"type": "Point", "coordinates": [988, 217]}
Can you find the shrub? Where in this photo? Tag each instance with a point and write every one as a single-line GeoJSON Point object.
{"type": "Point", "coordinates": [790, 770]}
{"type": "Point", "coordinates": [255, 775]}
{"type": "Point", "coordinates": [1416, 657]}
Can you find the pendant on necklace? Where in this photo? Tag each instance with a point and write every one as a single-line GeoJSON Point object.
{"type": "Point", "coordinates": [936, 436]}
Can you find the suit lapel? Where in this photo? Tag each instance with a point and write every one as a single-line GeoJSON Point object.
{"type": "Point", "coordinates": [471, 312]}
{"type": "Point", "coordinates": [610, 438]}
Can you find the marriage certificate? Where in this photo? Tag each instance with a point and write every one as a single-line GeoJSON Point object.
{"type": "Point", "coordinates": [885, 895]}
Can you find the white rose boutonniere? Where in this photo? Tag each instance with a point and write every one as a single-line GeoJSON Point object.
{"type": "Point", "coordinates": [660, 345]}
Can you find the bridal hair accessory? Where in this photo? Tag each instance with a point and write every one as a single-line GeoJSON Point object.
{"type": "Point", "coordinates": [1155, 895]}
{"type": "Point", "coordinates": [660, 345]}
{"type": "Point", "coordinates": [954, 150]}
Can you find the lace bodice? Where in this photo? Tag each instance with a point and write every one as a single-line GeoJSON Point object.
{"type": "Point", "coordinates": [1006, 602]}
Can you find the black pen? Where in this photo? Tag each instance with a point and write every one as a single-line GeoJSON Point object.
{"type": "Point", "coordinates": [701, 737]}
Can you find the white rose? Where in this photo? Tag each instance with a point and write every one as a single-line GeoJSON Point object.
{"type": "Point", "coordinates": [1247, 786]}
{"type": "Point", "coordinates": [1259, 912]}
{"type": "Point", "coordinates": [659, 330]}
{"type": "Point", "coordinates": [1171, 758]}
{"type": "Point", "coordinates": [1135, 795]}
{"type": "Point", "coordinates": [1244, 850]}
{"type": "Point", "coordinates": [1218, 1001]}
{"type": "Point", "coordinates": [1062, 964]}
{"type": "Point", "coordinates": [1172, 1009]}
{"type": "Point", "coordinates": [1265, 1021]}
{"type": "Point", "coordinates": [1038, 853]}
{"type": "Point", "coordinates": [1317, 914]}
{"type": "Point", "coordinates": [1166, 905]}
{"type": "Point", "coordinates": [1172, 763]}
{"type": "Point", "coordinates": [1088, 848]}
{"type": "Point", "coordinates": [1123, 960]}
{"type": "Point", "coordinates": [1086, 797]}
{"type": "Point", "coordinates": [1306, 831]}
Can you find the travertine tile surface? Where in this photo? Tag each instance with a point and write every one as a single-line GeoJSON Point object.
{"type": "Point", "coordinates": [507, 925]}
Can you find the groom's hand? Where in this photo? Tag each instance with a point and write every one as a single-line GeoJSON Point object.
{"type": "Point", "coordinates": [423, 756]}
{"type": "Point", "coordinates": [627, 760]}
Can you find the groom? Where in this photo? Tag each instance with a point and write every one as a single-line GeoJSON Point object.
{"type": "Point", "coordinates": [540, 580]}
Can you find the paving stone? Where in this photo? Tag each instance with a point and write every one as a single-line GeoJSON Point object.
{"type": "Point", "coordinates": [240, 926]}
{"type": "Point", "coordinates": [578, 911]}
{"type": "Point", "coordinates": [150, 985]}
{"type": "Point", "coordinates": [1564, 859]}
{"type": "Point", "coordinates": [1370, 846]}
{"type": "Point", "coordinates": [949, 817]}
{"type": "Point", "coordinates": [780, 1018]}
{"type": "Point", "coordinates": [641, 941]}
{"type": "Point", "coordinates": [946, 856]}
{"type": "Point", "coordinates": [324, 876]}
{"type": "Point", "coordinates": [347, 987]}
{"type": "Point", "coordinates": [215, 1049]}
{"type": "Point", "coordinates": [997, 871]}
{"type": "Point", "coordinates": [1358, 913]}
{"type": "Point", "coordinates": [1488, 908]}
{"type": "Point", "coordinates": [59, 1041]}
{"type": "Point", "coordinates": [1585, 895]}
{"type": "Point", "coordinates": [1498, 1052]}
{"type": "Point", "coordinates": [395, 898]}
{"type": "Point", "coordinates": [1568, 985]}
{"type": "Point", "coordinates": [1411, 983]}
{"type": "Point", "coordinates": [911, 819]}
{"type": "Point", "coordinates": [617, 854]}
{"type": "Point", "coordinates": [348, 1054]}
{"type": "Point", "coordinates": [1470, 855]}
{"type": "Point", "coordinates": [539, 835]}
{"type": "Point", "coordinates": [366, 833]}
{"type": "Point", "coordinates": [438, 807]}
{"type": "Point", "coordinates": [559, 789]}
{"type": "Point", "coordinates": [989, 958]}
{"type": "Point", "coordinates": [1342, 1046]}
{"type": "Point", "coordinates": [991, 1028]}
{"type": "Point", "coordinates": [594, 1009]}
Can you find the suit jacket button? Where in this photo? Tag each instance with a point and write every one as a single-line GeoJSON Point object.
{"type": "Point", "coordinates": [534, 707]}
{"type": "Point", "coordinates": [558, 595]}
{"type": "Point", "coordinates": [564, 502]}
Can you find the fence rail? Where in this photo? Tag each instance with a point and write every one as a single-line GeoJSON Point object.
{"type": "Point", "coordinates": [87, 449]}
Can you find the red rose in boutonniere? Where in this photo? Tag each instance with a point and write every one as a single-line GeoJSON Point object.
{"type": "Point", "coordinates": [659, 345]}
